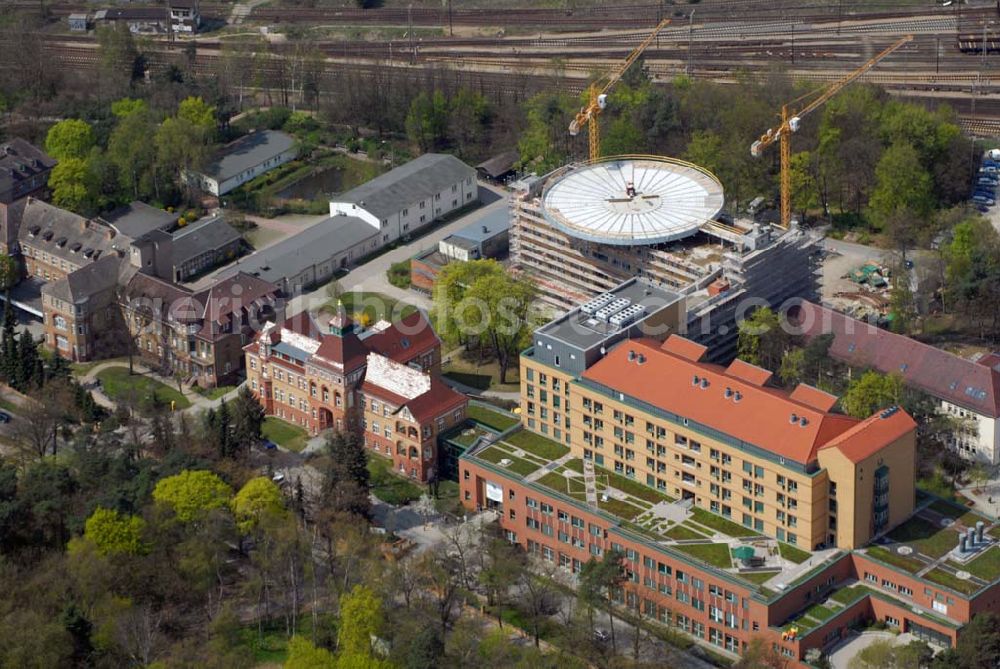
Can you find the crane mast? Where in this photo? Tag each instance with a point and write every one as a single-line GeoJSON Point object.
{"type": "Point", "coordinates": [790, 123]}
{"type": "Point", "coordinates": [598, 92]}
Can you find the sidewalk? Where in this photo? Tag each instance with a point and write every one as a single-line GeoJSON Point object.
{"type": "Point", "coordinates": [198, 402]}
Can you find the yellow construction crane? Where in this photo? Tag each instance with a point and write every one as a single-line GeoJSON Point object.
{"type": "Point", "coordinates": [599, 94]}
{"type": "Point", "coordinates": [790, 123]}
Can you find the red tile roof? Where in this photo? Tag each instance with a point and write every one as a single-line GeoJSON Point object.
{"type": "Point", "coordinates": [814, 397]}
{"type": "Point", "coordinates": [405, 339]}
{"type": "Point", "coordinates": [753, 374]}
{"type": "Point", "coordinates": [347, 350]}
{"type": "Point", "coordinates": [867, 437]}
{"type": "Point", "coordinates": [939, 373]}
{"type": "Point", "coordinates": [425, 407]}
{"type": "Point", "coordinates": [765, 417]}
{"type": "Point", "coordinates": [684, 348]}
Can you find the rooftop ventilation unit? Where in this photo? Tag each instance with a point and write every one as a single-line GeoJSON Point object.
{"type": "Point", "coordinates": [631, 356]}
{"type": "Point", "coordinates": [803, 421]}
{"type": "Point", "coordinates": [729, 392]}
{"type": "Point", "coordinates": [737, 396]}
{"type": "Point", "coordinates": [605, 313]}
{"type": "Point", "coordinates": [793, 419]}
{"type": "Point", "coordinates": [628, 315]}
{"type": "Point", "coordinates": [704, 383]}
{"type": "Point", "coordinates": [889, 412]}
{"type": "Point", "coordinates": [591, 306]}
{"type": "Point", "coordinates": [640, 359]}
{"type": "Point", "coordinates": [87, 252]}
{"type": "Point", "coordinates": [47, 235]}
{"type": "Point", "coordinates": [695, 380]}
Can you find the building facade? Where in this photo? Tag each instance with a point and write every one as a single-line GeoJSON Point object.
{"type": "Point", "coordinates": [382, 383]}
{"type": "Point", "coordinates": [727, 461]}
{"type": "Point", "coordinates": [967, 391]}
{"type": "Point", "coordinates": [245, 159]}
{"type": "Point", "coordinates": [411, 196]}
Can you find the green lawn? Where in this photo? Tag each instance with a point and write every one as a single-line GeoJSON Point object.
{"type": "Point", "coordinates": [789, 552]}
{"type": "Point", "coordinates": [631, 487]}
{"type": "Point", "coordinates": [447, 500]}
{"type": "Point", "coordinates": [543, 447]}
{"type": "Point", "coordinates": [714, 554]}
{"type": "Point", "coordinates": [758, 577]}
{"type": "Point", "coordinates": [925, 536]}
{"type": "Point", "coordinates": [847, 595]}
{"type": "Point", "coordinates": [388, 486]}
{"type": "Point", "coordinates": [215, 393]}
{"type": "Point", "coordinates": [682, 533]}
{"type": "Point", "coordinates": [617, 507]}
{"type": "Point", "coordinates": [468, 439]}
{"type": "Point", "coordinates": [476, 381]}
{"type": "Point", "coordinates": [491, 419]}
{"type": "Point", "coordinates": [8, 406]}
{"type": "Point", "coordinates": [557, 482]}
{"type": "Point", "coordinates": [375, 306]}
{"type": "Point", "coordinates": [819, 612]}
{"type": "Point", "coordinates": [285, 434]}
{"type": "Point", "coordinates": [482, 374]}
{"type": "Point", "coordinates": [517, 465]}
{"type": "Point", "coordinates": [946, 579]}
{"type": "Point", "coordinates": [720, 524]}
{"type": "Point", "coordinates": [82, 368]}
{"type": "Point", "coordinates": [119, 385]}
{"type": "Point", "coordinates": [986, 566]}
{"type": "Point", "coordinates": [958, 512]}
{"type": "Point", "coordinates": [895, 559]}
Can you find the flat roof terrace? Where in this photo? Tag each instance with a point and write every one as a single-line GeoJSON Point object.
{"type": "Point", "coordinates": [927, 546]}
{"type": "Point", "coordinates": [584, 331]}
{"type": "Point", "coordinates": [764, 564]}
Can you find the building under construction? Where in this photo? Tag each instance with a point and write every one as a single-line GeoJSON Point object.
{"type": "Point", "coordinates": [585, 228]}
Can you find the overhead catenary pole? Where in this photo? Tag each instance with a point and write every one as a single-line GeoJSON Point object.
{"type": "Point", "coordinates": [687, 63]}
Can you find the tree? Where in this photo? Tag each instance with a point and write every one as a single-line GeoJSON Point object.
{"type": "Point", "coordinates": [68, 181]}
{"type": "Point", "coordinates": [200, 115]}
{"type": "Point", "coordinates": [302, 654]}
{"type": "Point", "coordinates": [805, 189]}
{"type": "Point", "coordinates": [180, 146]}
{"type": "Point", "coordinates": [426, 122]}
{"type": "Point", "coordinates": [131, 151]}
{"type": "Point", "coordinates": [503, 565]}
{"type": "Point", "coordinates": [762, 339]}
{"type": "Point", "coordinates": [979, 645]}
{"type": "Point", "coordinates": [469, 118]}
{"type": "Point", "coordinates": [192, 494]}
{"type": "Point", "coordinates": [361, 619]}
{"type": "Point", "coordinates": [258, 497]}
{"type": "Point", "coordinates": [760, 655]}
{"type": "Point", "coordinates": [902, 184]}
{"type": "Point", "coordinates": [871, 392]}
{"type": "Point", "coordinates": [113, 533]}
{"type": "Point", "coordinates": [248, 420]}
{"type": "Point", "coordinates": [71, 138]}
{"type": "Point", "coordinates": [345, 481]}
{"type": "Point", "coordinates": [127, 107]}
{"type": "Point", "coordinates": [505, 302]}
{"type": "Point", "coordinates": [622, 136]}
{"type": "Point", "coordinates": [599, 579]}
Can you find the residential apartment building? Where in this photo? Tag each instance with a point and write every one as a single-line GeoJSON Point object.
{"type": "Point", "coordinates": [966, 390]}
{"type": "Point", "coordinates": [381, 382]}
{"type": "Point", "coordinates": [411, 196]}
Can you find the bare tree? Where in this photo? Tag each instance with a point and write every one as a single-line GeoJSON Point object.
{"type": "Point", "coordinates": [36, 428]}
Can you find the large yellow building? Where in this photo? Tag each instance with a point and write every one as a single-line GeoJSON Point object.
{"type": "Point", "coordinates": [781, 463]}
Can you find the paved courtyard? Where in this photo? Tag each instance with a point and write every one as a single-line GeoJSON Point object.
{"type": "Point", "coordinates": [841, 656]}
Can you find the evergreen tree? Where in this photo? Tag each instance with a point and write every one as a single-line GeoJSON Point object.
{"type": "Point", "coordinates": [26, 363]}
{"type": "Point", "coordinates": [223, 431]}
{"type": "Point", "coordinates": [248, 421]}
{"type": "Point", "coordinates": [8, 349]}
{"type": "Point", "coordinates": [345, 481]}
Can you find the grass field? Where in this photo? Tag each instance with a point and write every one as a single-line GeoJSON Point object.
{"type": "Point", "coordinates": [848, 595]}
{"type": "Point", "coordinates": [285, 434]}
{"type": "Point", "coordinates": [714, 554]}
{"type": "Point", "coordinates": [789, 552]}
{"type": "Point", "coordinates": [517, 465]}
{"type": "Point", "coordinates": [682, 533]}
{"type": "Point", "coordinates": [214, 393]}
{"type": "Point", "coordinates": [481, 376]}
{"type": "Point", "coordinates": [930, 539]}
{"type": "Point", "coordinates": [948, 580]}
{"type": "Point", "coordinates": [537, 444]}
{"type": "Point", "coordinates": [759, 577]}
{"type": "Point", "coordinates": [901, 561]}
{"type": "Point", "coordinates": [389, 486]}
{"type": "Point", "coordinates": [374, 306]}
{"type": "Point", "coordinates": [986, 566]}
{"type": "Point", "coordinates": [119, 385]}
{"type": "Point", "coordinates": [720, 524]}
{"type": "Point", "coordinates": [491, 419]}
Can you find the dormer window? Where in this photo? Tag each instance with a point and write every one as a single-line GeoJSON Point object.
{"type": "Point", "coordinates": [75, 247]}
{"type": "Point", "coordinates": [47, 235]}
{"type": "Point", "coordinates": [33, 230]}
{"type": "Point", "coordinates": [61, 242]}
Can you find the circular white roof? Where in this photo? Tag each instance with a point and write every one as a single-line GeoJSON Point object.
{"type": "Point", "coordinates": [671, 199]}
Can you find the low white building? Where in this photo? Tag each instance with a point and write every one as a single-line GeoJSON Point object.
{"type": "Point", "coordinates": [410, 197]}
{"type": "Point", "coordinates": [967, 390]}
{"type": "Point", "coordinates": [244, 159]}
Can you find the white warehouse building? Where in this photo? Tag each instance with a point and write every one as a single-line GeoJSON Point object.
{"type": "Point", "coordinates": [410, 197]}
{"type": "Point", "coordinates": [244, 159]}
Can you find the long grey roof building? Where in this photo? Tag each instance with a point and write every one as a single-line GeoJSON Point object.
{"type": "Point", "coordinates": [311, 256]}
{"type": "Point", "coordinates": [246, 158]}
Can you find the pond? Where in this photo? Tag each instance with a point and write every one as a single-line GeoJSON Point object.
{"type": "Point", "coordinates": [323, 182]}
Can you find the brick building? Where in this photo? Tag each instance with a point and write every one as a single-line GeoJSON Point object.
{"type": "Point", "coordinates": [740, 509]}
{"type": "Point", "coordinates": [382, 382]}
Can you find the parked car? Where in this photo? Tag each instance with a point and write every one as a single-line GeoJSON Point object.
{"type": "Point", "coordinates": [603, 636]}
{"type": "Point", "coordinates": [278, 478]}
{"type": "Point", "coordinates": [908, 264]}
{"type": "Point", "coordinates": [983, 209]}
{"type": "Point", "coordinates": [983, 199]}
{"type": "Point", "coordinates": [4, 417]}
{"type": "Point", "coordinates": [269, 445]}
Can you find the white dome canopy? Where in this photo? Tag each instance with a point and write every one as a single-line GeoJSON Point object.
{"type": "Point", "coordinates": [633, 201]}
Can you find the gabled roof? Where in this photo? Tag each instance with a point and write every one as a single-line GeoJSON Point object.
{"type": "Point", "coordinates": [21, 160]}
{"type": "Point", "coordinates": [405, 339]}
{"type": "Point", "coordinates": [346, 352]}
{"type": "Point", "coordinates": [138, 219]}
{"type": "Point", "coordinates": [939, 373]}
{"type": "Point", "coordinates": [247, 152]}
{"type": "Point", "coordinates": [417, 180]}
{"type": "Point", "coordinates": [865, 438]}
{"type": "Point", "coordinates": [671, 378]}
{"type": "Point", "coordinates": [66, 235]}
{"type": "Point", "coordinates": [87, 281]}
{"type": "Point", "coordinates": [499, 164]}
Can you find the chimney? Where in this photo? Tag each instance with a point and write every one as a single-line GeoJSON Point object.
{"type": "Point", "coordinates": [631, 356]}
{"type": "Point", "coordinates": [485, 229]}
{"type": "Point", "coordinates": [971, 533]}
{"type": "Point", "coordinates": [962, 547]}
{"type": "Point", "coordinates": [979, 531]}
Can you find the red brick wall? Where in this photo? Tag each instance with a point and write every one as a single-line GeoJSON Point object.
{"type": "Point", "coordinates": [958, 611]}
